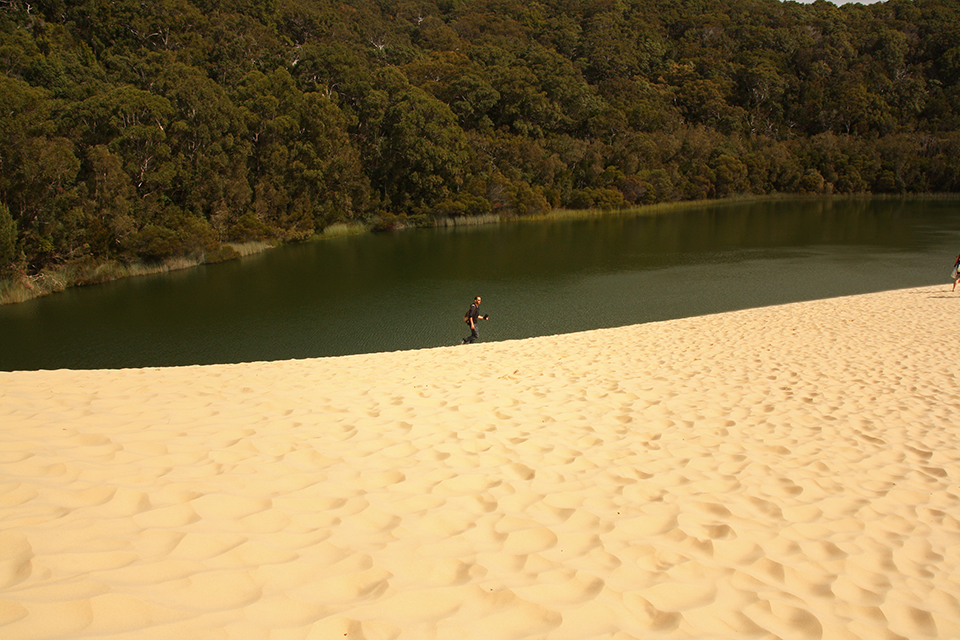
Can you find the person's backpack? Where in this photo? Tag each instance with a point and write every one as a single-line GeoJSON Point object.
{"type": "Point", "coordinates": [466, 317]}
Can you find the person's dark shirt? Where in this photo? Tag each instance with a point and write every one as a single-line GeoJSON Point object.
{"type": "Point", "coordinates": [474, 312]}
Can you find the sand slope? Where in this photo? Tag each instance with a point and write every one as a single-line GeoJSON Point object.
{"type": "Point", "coordinates": [788, 472]}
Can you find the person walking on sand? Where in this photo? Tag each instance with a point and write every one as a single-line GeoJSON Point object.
{"type": "Point", "coordinates": [471, 318]}
{"type": "Point", "coordinates": [956, 273]}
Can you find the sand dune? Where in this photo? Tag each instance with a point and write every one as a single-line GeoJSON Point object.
{"type": "Point", "coordinates": [787, 472]}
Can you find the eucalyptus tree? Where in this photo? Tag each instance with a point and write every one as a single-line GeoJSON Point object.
{"type": "Point", "coordinates": [303, 169]}
{"type": "Point", "coordinates": [418, 153]}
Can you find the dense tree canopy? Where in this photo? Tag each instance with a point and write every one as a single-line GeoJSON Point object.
{"type": "Point", "coordinates": [142, 130]}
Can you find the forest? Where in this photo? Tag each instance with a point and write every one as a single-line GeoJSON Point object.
{"type": "Point", "coordinates": [140, 130]}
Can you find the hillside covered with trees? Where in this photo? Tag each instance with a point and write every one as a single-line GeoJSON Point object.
{"type": "Point", "coordinates": [139, 130]}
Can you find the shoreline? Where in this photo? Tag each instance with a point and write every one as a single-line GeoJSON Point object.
{"type": "Point", "coordinates": [791, 471]}
{"type": "Point", "coordinates": [23, 288]}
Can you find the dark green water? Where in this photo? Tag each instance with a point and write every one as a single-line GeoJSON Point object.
{"type": "Point", "coordinates": [410, 290]}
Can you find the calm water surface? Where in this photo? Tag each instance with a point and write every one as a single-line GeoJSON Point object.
{"type": "Point", "coordinates": [410, 290]}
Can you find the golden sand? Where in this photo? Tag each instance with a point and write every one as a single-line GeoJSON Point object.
{"type": "Point", "coordinates": [785, 472]}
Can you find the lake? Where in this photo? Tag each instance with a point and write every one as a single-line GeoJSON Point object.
{"type": "Point", "coordinates": [409, 290]}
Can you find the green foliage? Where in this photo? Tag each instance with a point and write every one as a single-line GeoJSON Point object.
{"type": "Point", "coordinates": [136, 131]}
{"type": "Point", "coordinates": [8, 240]}
{"type": "Point", "coordinates": [422, 151]}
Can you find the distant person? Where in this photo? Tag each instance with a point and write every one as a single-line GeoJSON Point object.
{"type": "Point", "coordinates": [471, 318]}
{"type": "Point", "coordinates": [956, 273]}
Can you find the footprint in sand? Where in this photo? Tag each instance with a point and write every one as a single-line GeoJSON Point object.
{"type": "Point", "coordinates": [16, 557]}
{"type": "Point", "coordinates": [562, 588]}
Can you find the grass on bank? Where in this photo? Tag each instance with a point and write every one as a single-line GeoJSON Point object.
{"type": "Point", "coordinates": [648, 209]}
{"type": "Point", "coordinates": [658, 208]}
{"type": "Point", "coordinates": [340, 230]}
{"type": "Point", "coordinates": [23, 287]}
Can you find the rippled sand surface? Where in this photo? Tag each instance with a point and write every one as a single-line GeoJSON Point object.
{"type": "Point", "coordinates": [786, 472]}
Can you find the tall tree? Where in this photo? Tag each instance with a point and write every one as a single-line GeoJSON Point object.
{"type": "Point", "coordinates": [423, 150]}
{"type": "Point", "coordinates": [8, 240]}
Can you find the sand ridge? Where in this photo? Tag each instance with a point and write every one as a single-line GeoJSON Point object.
{"type": "Point", "coordinates": [786, 472]}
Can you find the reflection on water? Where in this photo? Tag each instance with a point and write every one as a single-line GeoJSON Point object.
{"type": "Point", "coordinates": [409, 290]}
